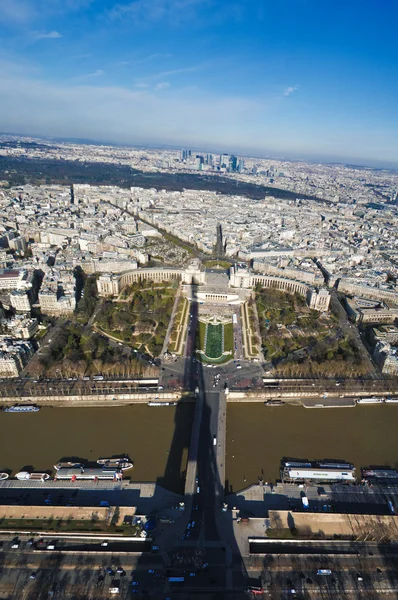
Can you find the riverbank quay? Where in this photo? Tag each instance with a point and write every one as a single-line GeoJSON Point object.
{"type": "Point", "coordinates": [307, 402]}
{"type": "Point", "coordinates": [259, 500]}
{"type": "Point", "coordinates": [309, 398]}
{"type": "Point", "coordinates": [99, 400]}
{"type": "Point", "coordinates": [308, 533]}
{"type": "Point", "coordinates": [138, 498]}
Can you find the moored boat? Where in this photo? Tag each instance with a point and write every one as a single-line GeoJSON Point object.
{"type": "Point", "coordinates": [4, 476]}
{"type": "Point", "coordinates": [391, 400]}
{"type": "Point", "coordinates": [156, 403]}
{"type": "Point", "coordinates": [123, 463]}
{"type": "Point", "coordinates": [95, 474]}
{"type": "Point", "coordinates": [70, 464]}
{"type": "Point", "coordinates": [370, 400]}
{"type": "Point", "coordinates": [274, 403]}
{"type": "Point", "coordinates": [21, 408]}
{"type": "Point", "coordinates": [26, 476]}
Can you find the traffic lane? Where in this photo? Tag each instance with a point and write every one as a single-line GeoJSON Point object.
{"type": "Point", "coordinates": [275, 548]}
{"type": "Point", "coordinates": [60, 581]}
{"type": "Point", "coordinates": [341, 582]}
{"type": "Point", "coordinates": [72, 555]}
{"type": "Point", "coordinates": [376, 565]}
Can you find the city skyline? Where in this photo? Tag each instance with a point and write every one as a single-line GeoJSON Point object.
{"type": "Point", "coordinates": [300, 81]}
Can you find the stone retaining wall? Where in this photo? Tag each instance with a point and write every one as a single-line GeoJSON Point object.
{"type": "Point", "coordinates": [97, 400]}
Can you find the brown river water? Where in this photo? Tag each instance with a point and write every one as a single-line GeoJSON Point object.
{"type": "Point", "coordinates": [259, 436]}
{"type": "Point", "coordinates": [156, 438]}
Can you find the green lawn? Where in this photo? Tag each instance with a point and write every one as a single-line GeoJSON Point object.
{"type": "Point", "coordinates": [214, 345]}
{"type": "Point", "coordinates": [229, 338]}
{"type": "Point", "coordinates": [214, 348]}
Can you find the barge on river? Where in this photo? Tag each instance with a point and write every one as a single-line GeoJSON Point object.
{"type": "Point", "coordinates": [93, 474]}
{"type": "Point", "coordinates": [21, 408]}
{"type": "Point", "coordinates": [26, 476]}
{"type": "Point", "coordinates": [156, 403]}
{"type": "Point", "coordinates": [372, 400]}
{"type": "Point", "coordinates": [124, 463]}
{"type": "Point", "coordinates": [380, 475]}
{"type": "Point", "coordinates": [317, 471]}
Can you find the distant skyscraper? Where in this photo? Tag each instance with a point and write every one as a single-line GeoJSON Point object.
{"type": "Point", "coordinates": [241, 165]}
{"type": "Point", "coordinates": [199, 160]}
{"type": "Point", "coordinates": [224, 160]}
{"type": "Point", "coordinates": [209, 159]}
{"type": "Point", "coordinates": [233, 163]}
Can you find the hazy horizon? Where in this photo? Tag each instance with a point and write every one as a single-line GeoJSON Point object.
{"type": "Point", "coordinates": [300, 80]}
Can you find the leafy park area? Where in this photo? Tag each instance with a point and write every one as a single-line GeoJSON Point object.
{"type": "Point", "coordinates": [303, 342]}
{"type": "Point", "coordinates": [77, 351]}
{"type": "Point", "coordinates": [140, 317]}
{"type": "Point", "coordinates": [89, 298]}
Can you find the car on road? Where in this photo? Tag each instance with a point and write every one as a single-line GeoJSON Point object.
{"type": "Point", "coordinates": [120, 570]}
{"type": "Point", "coordinates": [109, 571]}
{"type": "Point", "coordinates": [32, 575]}
{"type": "Point", "coordinates": [104, 544]}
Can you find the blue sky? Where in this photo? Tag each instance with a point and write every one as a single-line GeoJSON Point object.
{"type": "Point", "coordinates": [295, 78]}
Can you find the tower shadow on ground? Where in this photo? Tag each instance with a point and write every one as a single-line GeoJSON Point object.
{"type": "Point", "coordinates": [211, 551]}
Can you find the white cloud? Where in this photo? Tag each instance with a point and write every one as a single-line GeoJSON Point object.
{"type": "Point", "coordinates": [290, 90]}
{"type": "Point", "coordinates": [79, 109]}
{"type": "Point", "coordinates": [97, 73]}
{"type": "Point", "coordinates": [43, 35]}
{"type": "Point", "coordinates": [162, 85]}
{"type": "Point", "coordinates": [163, 74]}
{"type": "Point", "coordinates": [152, 57]}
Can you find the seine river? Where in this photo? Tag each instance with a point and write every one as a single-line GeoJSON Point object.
{"type": "Point", "coordinates": [259, 436]}
{"type": "Point", "coordinates": [157, 439]}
